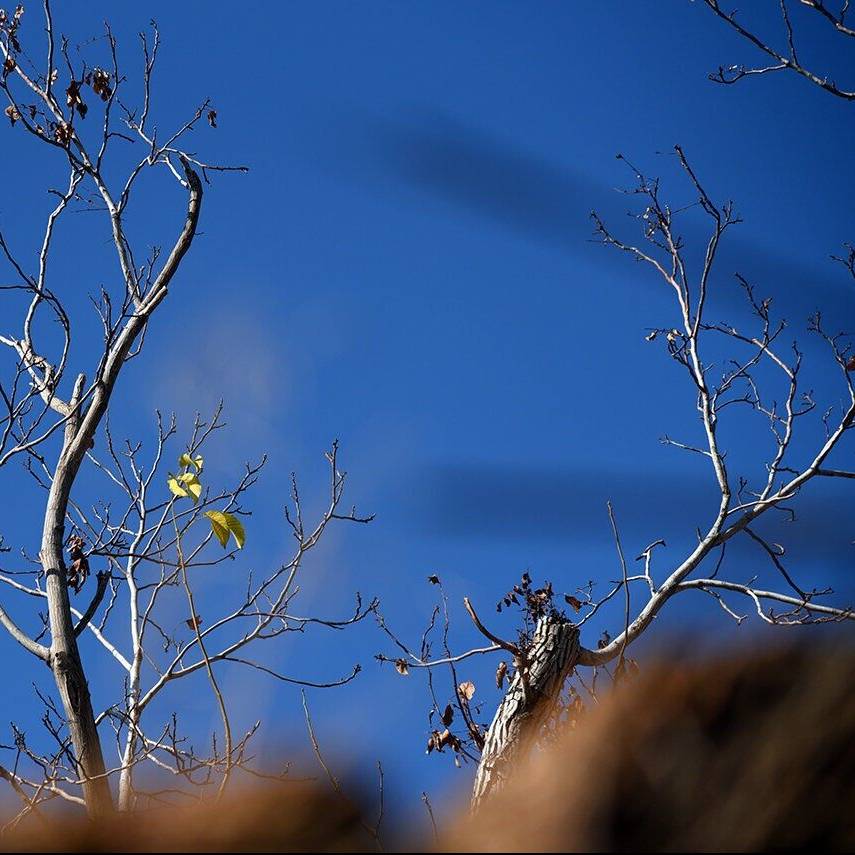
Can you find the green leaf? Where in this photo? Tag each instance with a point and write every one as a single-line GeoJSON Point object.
{"type": "Point", "coordinates": [224, 524]}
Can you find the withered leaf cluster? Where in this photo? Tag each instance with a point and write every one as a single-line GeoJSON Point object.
{"type": "Point", "coordinates": [78, 570]}
{"type": "Point", "coordinates": [536, 602]}
{"type": "Point", "coordinates": [437, 741]}
{"type": "Point", "coordinates": [73, 99]}
{"type": "Point", "coordinates": [98, 79]}
{"type": "Point", "coordinates": [63, 133]}
{"type": "Point", "coordinates": [10, 26]}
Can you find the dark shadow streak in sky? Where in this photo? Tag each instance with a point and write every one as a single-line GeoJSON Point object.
{"type": "Point", "coordinates": [509, 503]}
{"type": "Point", "coordinates": [547, 202]}
{"type": "Point", "coordinates": [480, 173]}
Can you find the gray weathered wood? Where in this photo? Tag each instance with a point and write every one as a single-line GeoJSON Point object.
{"type": "Point", "coordinates": [552, 655]}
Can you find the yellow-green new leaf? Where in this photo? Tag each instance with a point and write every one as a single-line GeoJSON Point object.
{"type": "Point", "coordinates": [193, 485]}
{"type": "Point", "coordinates": [218, 526]}
{"type": "Point", "coordinates": [223, 525]}
{"type": "Point", "coordinates": [237, 530]}
{"type": "Point", "coordinates": [175, 488]}
{"type": "Point", "coordinates": [186, 461]}
{"type": "Point", "coordinates": [185, 485]}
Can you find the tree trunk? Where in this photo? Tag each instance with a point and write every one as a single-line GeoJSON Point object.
{"type": "Point", "coordinates": [553, 654]}
{"type": "Point", "coordinates": [126, 777]}
{"type": "Point", "coordinates": [80, 428]}
{"type": "Point", "coordinates": [64, 659]}
{"type": "Point", "coordinates": [68, 672]}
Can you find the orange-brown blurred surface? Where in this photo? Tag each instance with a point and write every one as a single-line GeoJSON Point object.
{"type": "Point", "coordinates": [744, 754]}
{"type": "Point", "coordinates": [281, 818]}
{"type": "Point", "coordinates": [741, 754]}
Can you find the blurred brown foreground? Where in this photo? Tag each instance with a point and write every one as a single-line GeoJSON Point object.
{"type": "Point", "coordinates": [744, 754]}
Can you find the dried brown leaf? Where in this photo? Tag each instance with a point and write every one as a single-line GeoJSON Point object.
{"type": "Point", "coordinates": [467, 690]}
{"type": "Point", "coordinates": [194, 622]}
{"type": "Point", "coordinates": [100, 82]}
{"type": "Point", "coordinates": [574, 602]}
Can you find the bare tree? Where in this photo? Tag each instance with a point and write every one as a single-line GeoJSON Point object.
{"type": "Point", "coordinates": [787, 58]}
{"type": "Point", "coordinates": [729, 368]}
{"type": "Point", "coordinates": [158, 527]}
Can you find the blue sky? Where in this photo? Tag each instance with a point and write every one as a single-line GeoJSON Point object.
{"type": "Point", "coordinates": [408, 267]}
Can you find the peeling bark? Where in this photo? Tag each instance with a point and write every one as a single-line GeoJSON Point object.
{"type": "Point", "coordinates": [531, 697]}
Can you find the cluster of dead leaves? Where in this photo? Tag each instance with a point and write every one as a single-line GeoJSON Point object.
{"type": "Point", "coordinates": [440, 739]}
{"type": "Point", "coordinates": [10, 26]}
{"type": "Point", "coordinates": [100, 83]}
{"type": "Point", "coordinates": [13, 114]}
{"type": "Point", "coordinates": [445, 739]}
{"type": "Point", "coordinates": [78, 571]}
{"type": "Point", "coordinates": [99, 80]}
{"type": "Point", "coordinates": [535, 602]}
{"type": "Point", "coordinates": [62, 133]}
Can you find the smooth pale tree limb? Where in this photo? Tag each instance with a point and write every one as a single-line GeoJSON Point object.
{"type": "Point", "coordinates": [79, 432]}
{"type": "Point", "coordinates": [22, 638]}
